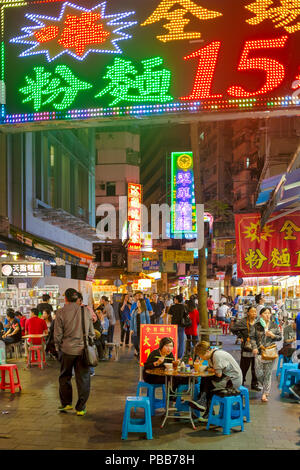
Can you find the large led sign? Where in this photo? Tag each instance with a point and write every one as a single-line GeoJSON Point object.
{"type": "Point", "coordinates": [82, 59]}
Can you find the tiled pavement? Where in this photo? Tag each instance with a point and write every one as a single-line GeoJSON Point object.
{"type": "Point", "coordinates": [29, 419]}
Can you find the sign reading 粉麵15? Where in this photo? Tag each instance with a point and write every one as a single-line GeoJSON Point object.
{"type": "Point", "coordinates": [183, 206]}
{"type": "Point", "coordinates": [83, 59]}
{"type": "Point", "coordinates": [272, 251]}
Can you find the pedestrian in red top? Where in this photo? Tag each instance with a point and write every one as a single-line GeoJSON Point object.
{"type": "Point", "coordinates": [192, 331]}
{"type": "Point", "coordinates": [35, 326]}
{"type": "Point", "coordinates": [210, 306]}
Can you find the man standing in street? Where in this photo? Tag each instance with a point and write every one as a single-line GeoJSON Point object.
{"type": "Point", "coordinates": [109, 312]}
{"type": "Point", "coordinates": [68, 339]}
{"type": "Point", "coordinates": [210, 306]}
{"type": "Point", "coordinates": [158, 310]}
{"type": "Point", "coordinates": [177, 313]}
{"type": "Point", "coordinates": [45, 305]}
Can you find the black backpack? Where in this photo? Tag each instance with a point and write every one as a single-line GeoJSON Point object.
{"type": "Point", "coordinates": [186, 322]}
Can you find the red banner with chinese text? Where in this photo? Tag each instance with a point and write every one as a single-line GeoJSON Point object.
{"type": "Point", "coordinates": [151, 336]}
{"type": "Point", "coordinates": [272, 251]}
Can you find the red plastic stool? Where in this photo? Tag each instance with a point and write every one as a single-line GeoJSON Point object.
{"type": "Point", "coordinates": [225, 328]}
{"type": "Point", "coordinates": [209, 323]}
{"type": "Point", "coordinates": [11, 385]}
{"type": "Point", "coordinates": [35, 356]}
{"type": "Point", "coordinates": [213, 322]}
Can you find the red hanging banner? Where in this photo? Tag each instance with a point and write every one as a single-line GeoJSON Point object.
{"type": "Point", "coordinates": [272, 251]}
{"type": "Point", "coordinates": [150, 338]}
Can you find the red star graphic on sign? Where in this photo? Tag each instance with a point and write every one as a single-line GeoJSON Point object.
{"type": "Point", "coordinates": [82, 31]}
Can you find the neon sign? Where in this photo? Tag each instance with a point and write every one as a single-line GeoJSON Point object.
{"type": "Point", "coordinates": [88, 60]}
{"type": "Point", "coordinates": [134, 217]}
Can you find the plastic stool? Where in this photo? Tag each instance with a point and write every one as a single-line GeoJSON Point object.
{"type": "Point", "coordinates": [155, 403]}
{"type": "Point", "coordinates": [245, 403]}
{"type": "Point", "coordinates": [284, 368]}
{"type": "Point", "coordinates": [282, 360]}
{"type": "Point", "coordinates": [225, 328]}
{"type": "Point", "coordinates": [291, 376]}
{"type": "Point", "coordinates": [11, 385]}
{"type": "Point", "coordinates": [137, 425]}
{"type": "Point", "coordinates": [228, 416]}
{"type": "Point", "coordinates": [2, 356]}
{"type": "Point", "coordinates": [39, 359]}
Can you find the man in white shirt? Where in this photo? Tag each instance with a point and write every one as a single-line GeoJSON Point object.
{"type": "Point", "coordinates": [222, 311]}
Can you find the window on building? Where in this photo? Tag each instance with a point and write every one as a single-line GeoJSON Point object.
{"type": "Point", "coordinates": [110, 189]}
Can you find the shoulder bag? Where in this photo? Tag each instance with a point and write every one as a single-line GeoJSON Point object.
{"type": "Point", "coordinates": [269, 353]}
{"type": "Point", "coordinates": [186, 321]}
{"type": "Point", "coordinates": [90, 354]}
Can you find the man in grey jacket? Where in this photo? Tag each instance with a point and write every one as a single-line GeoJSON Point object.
{"type": "Point", "coordinates": [68, 339]}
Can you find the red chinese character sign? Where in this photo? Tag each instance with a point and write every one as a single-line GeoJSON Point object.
{"type": "Point", "coordinates": [87, 59]}
{"type": "Point", "coordinates": [272, 251]}
{"type": "Point", "coordinates": [134, 216]}
{"type": "Point", "coordinates": [151, 336]}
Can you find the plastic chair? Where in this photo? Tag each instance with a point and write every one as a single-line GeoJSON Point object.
{"type": "Point", "coordinates": [11, 385]}
{"type": "Point", "coordinates": [230, 413]}
{"type": "Point", "coordinates": [36, 356]}
{"type": "Point", "coordinates": [245, 402]}
{"type": "Point", "coordinates": [2, 356]}
{"type": "Point", "coordinates": [133, 424]}
{"type": "Point", "coordinates": [282, 360]}
{"type": "Point", "coordinates": [291, 376]}
{"type": "Point", "coordinates": [155, 403]}
{"type": "Point", "coordinates": [284, 368]}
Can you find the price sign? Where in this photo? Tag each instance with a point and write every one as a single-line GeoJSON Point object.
{"type": "Point", "coordinates": [151, 336]}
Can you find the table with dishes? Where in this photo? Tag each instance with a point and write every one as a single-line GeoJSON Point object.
{"type": "Point", "coordinates": [169, 374]}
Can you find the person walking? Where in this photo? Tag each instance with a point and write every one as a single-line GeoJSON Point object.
{"type": "Point", "coordinates": [124, 315]}
{"type": "Point", "coordinates": [177, 313]}
{"type": "Point", "coordinates": [140, 316]}
{"type": "Point", "coordinates": [244, 329]}
{"type": "Point", "coordinates": [210, 306]}
{"type": "Point", "coordinates": [158, 308]}
{"type": "Point", "coordinates": [109, 312]}
{"type": "Point", "coordinates": [69, 343]}
{"type": "Point", "coordinates": [192, 331]}
{"type": "Point", "coordinates": [264, 334]}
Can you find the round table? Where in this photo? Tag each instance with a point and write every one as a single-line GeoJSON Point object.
{"type": "Point", "coordinates": [172, 412]}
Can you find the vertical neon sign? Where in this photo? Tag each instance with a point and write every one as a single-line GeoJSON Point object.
{"type": "Point", "coordinates": [134, 216]}
{"type": "Point", "coordinates": [183, 211]}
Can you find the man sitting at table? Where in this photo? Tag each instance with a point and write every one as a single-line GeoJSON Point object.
{"type": "Point", "coordinates": [35, 326]}
{"type": "Point", "coordinates": [226, 381]}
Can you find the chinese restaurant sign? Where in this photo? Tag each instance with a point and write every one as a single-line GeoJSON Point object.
{"type": "Point", "coordinates": [177, 256]}
{"type": "Point", "coordinates": [184, 218]}
{"type": "Point", "coordinates": [134, 217]}
{"type": "Point", "coordinates": [151, 336]}
{"type": "Point", "coordinates": [22, 269]}
{"type": "Point", "coordinates": [86, 59]}
{"type": "Point", "coordinates": [272, 251]}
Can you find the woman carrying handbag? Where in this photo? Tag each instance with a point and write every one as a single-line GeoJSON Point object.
{"type": "Point", "coordinates": [263, 339]}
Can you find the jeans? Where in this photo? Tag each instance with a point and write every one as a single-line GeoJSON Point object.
{"type": "Point", "coordinates": [110, 336]}
{"type": "Point", "coordinates": [181, 341]}
{"type": "Point", "coordinates": [124, 333]}
{"type": "Point", "coordinates": [82, 377]}
{"type": "Point", "coordinates": [191, 342]}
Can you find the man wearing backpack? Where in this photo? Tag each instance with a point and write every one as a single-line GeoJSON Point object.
{"type": "Point", "coordinates": [178, 314]}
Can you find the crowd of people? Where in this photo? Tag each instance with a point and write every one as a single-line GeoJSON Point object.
{"type": "Point", "coordinates": [61, 333]}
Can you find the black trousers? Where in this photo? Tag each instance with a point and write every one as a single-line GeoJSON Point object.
{"type": "Point", "coordinates": [207, 386]}
{"type": "Point", "coordinates": [82, 377]}
{"type": "Point", "coordinates": [124, 333]}
{"type": "Point", "coordinates": [245, 364]}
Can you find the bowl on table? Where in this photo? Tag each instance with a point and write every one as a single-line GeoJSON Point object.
{"type": "Point", "coordinates": [169, 367]}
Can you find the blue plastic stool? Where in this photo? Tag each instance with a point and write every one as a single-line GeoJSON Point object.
{"type": "Point", "coordinates": [229, 415]}
{"type": "Point", "coordinates": [183, 406]}
{"type": "Point", "coordinates": [155, 403]}
{"type": "Point", "coordinates": [133, 424]}
{"type": "Point", "coordinates": [282, 360]}
{"type": "Point", "coordinates": [291, 376]}
{"type": "Point", "coordinates": [245, 402]}
{"type": "Point", "coordinates": [284, 368]}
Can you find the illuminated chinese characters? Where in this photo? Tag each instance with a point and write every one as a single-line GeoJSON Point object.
{"type": "Point", "coordinates": [150, 338]}
{"type": "Point", "coordinates": [177, 18]}
{"type": "Point", "coordinates": [272, 251]}
{"type": "Point", "coordinates": [134, 216]}
{"type": "Point", "coordinates": [287, 15]}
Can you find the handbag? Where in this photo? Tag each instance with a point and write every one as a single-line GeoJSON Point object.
{"type": "Point", "coordinates": [248, 346]}
{"type": "Point", "coordinates": [186, 321]}
{"type": "Point", "coordinates": [269, 353]}
{"type": "Point", "coordinates": [90, 354]}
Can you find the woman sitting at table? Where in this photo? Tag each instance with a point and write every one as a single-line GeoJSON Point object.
{"type": "Point", "coordinates": [157, 360]}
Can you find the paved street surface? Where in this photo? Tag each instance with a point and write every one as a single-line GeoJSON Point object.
{"type": "Point", "coordinates": [30, 420]}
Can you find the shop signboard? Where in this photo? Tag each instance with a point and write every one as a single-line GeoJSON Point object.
{"type": "Point", "coordinates": [272, 251]}
{"type": "Point", "coordinates": [151, 336]}
{"type": "Point", "coordinates": [118, 59]}
{"type": "Point", "coordinates": [22, 269]}
{"type": "Point", "coordinates": [151, 265]}
{"type": "Point", "coordinates": [134, 217]}
{"type": "Point", "coordinates": [178, 256]}
{"type": "Point", "coordinates": [135, 264]}
{"type": "Point", "coordinates": [183, 206]}
{"type": "Point", "coordinates": [91, 271]}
